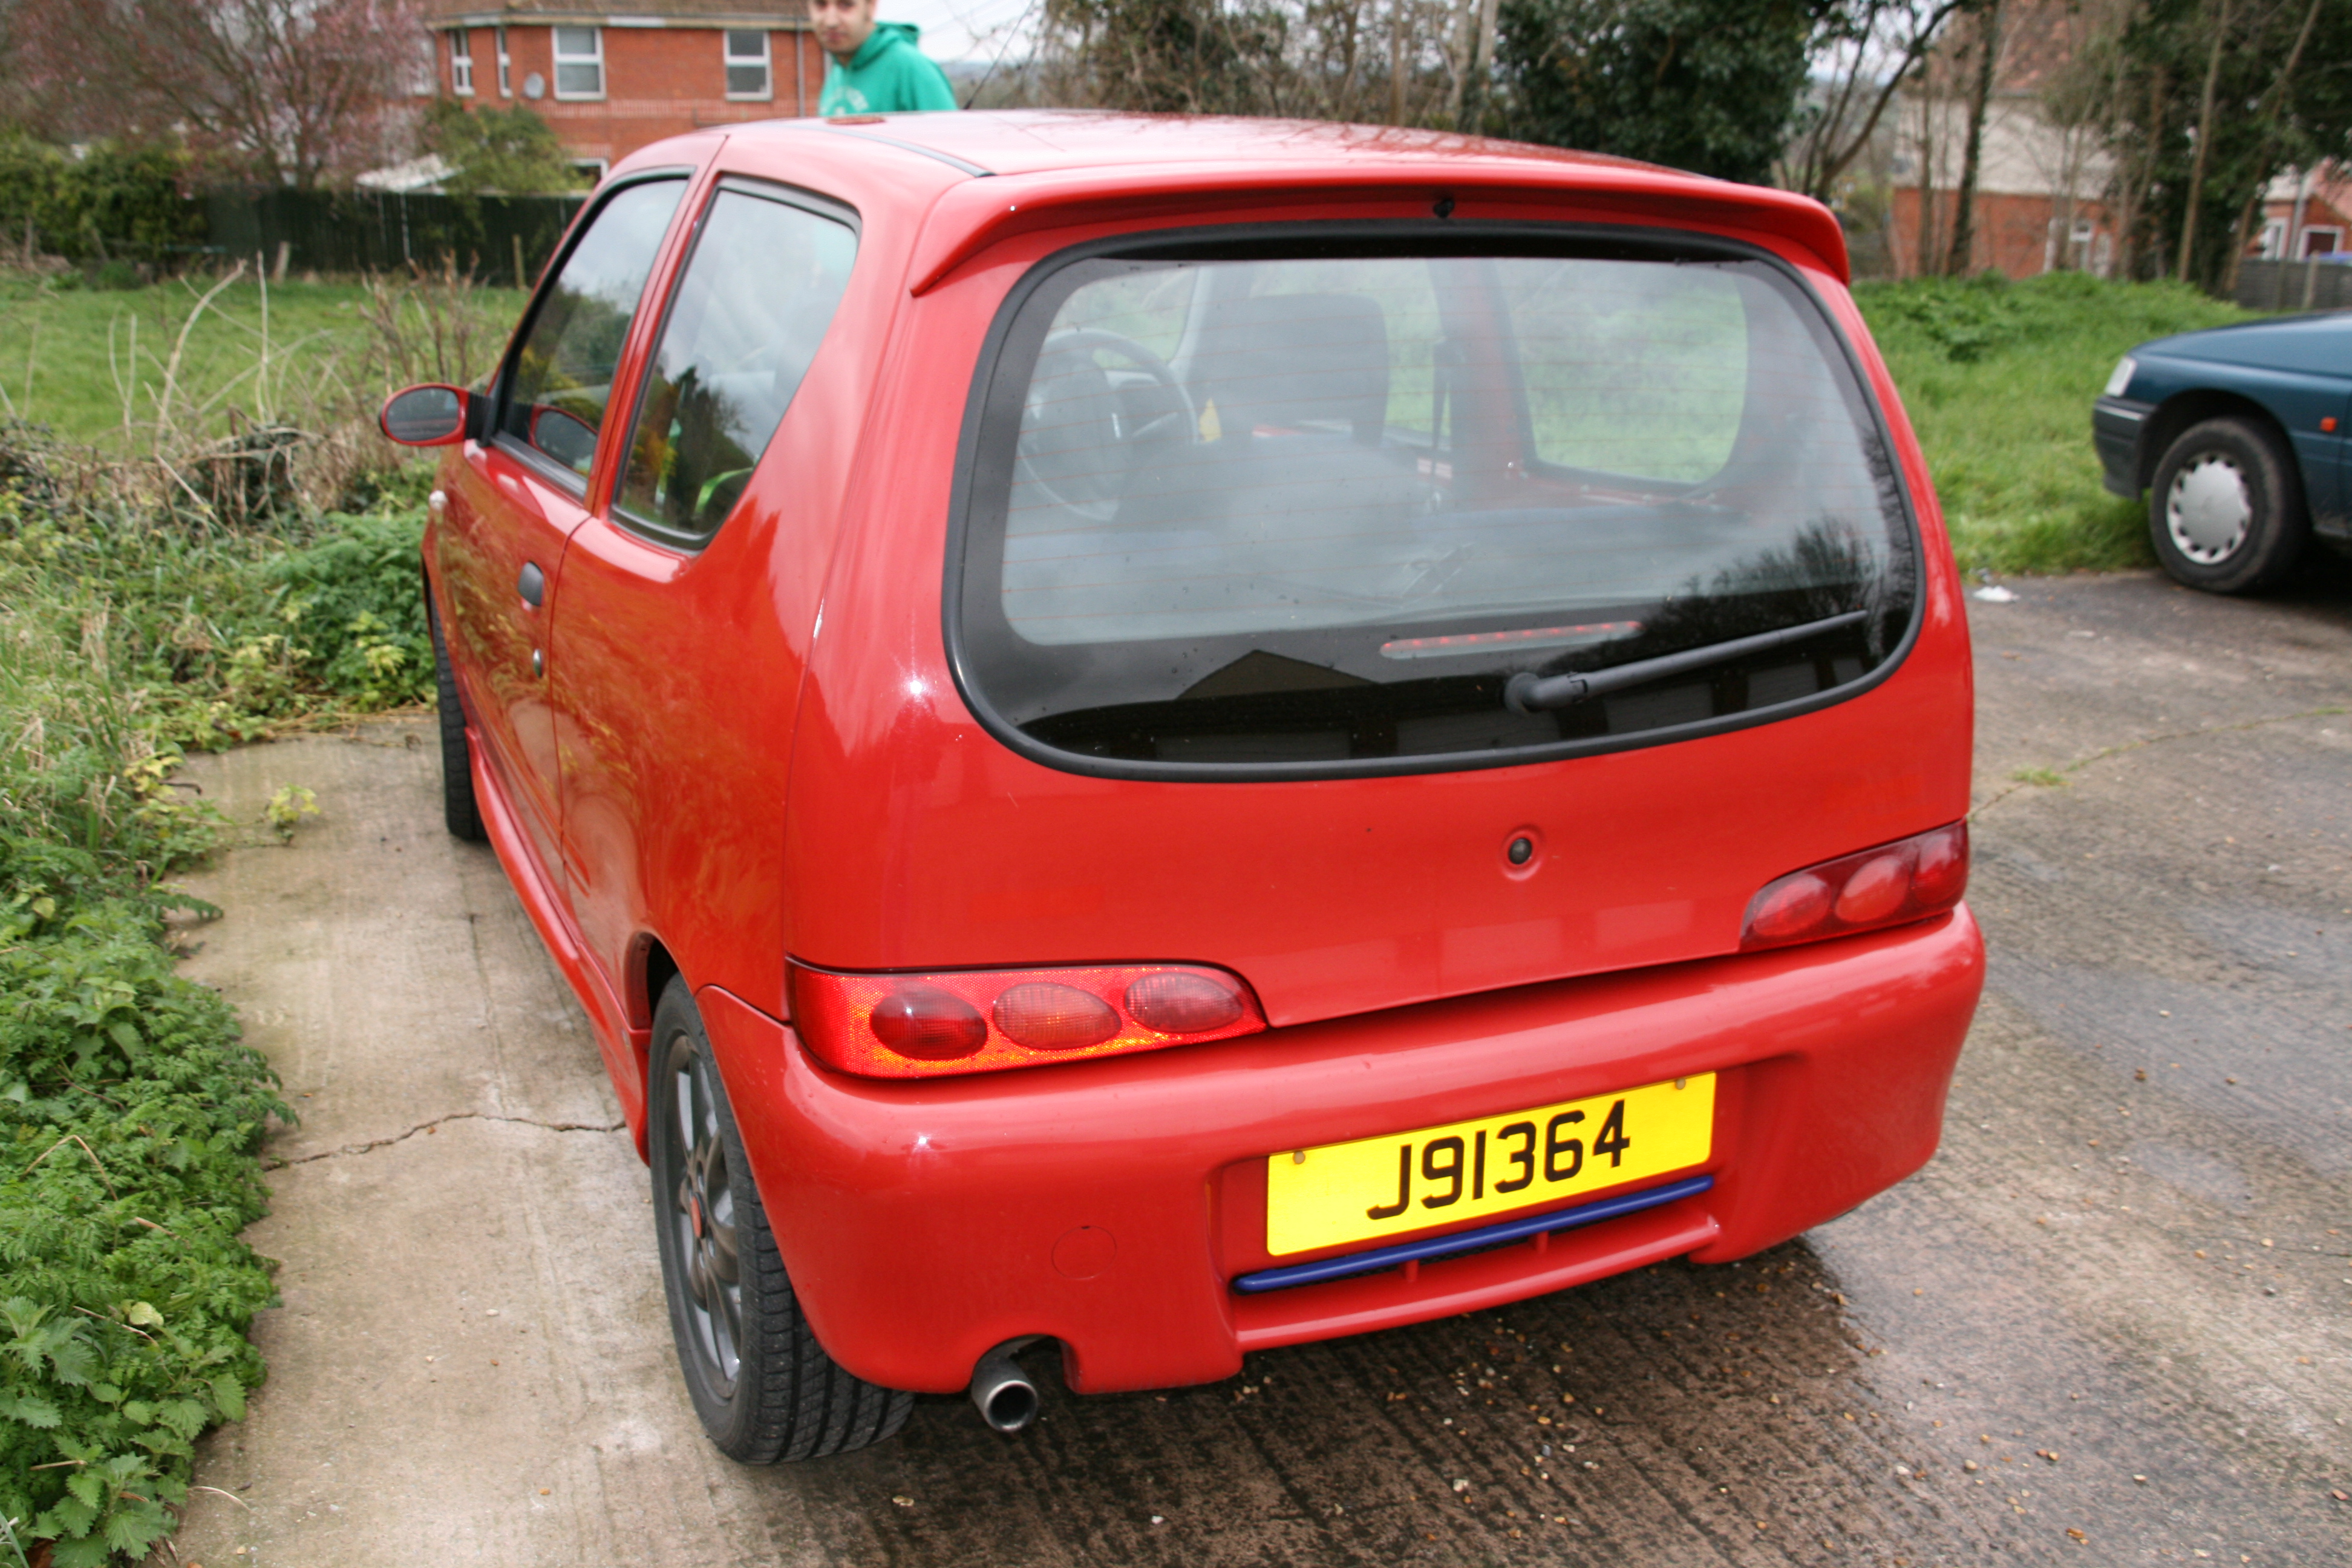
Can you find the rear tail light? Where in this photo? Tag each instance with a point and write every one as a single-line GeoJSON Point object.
{"type": "Point", "coordinates": [985, 1020]}
{"type": "Point", "coordinates": [1908, 880]}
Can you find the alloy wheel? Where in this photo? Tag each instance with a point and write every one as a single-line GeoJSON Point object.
{"type": "Point", "coordinates": [702, 1214]}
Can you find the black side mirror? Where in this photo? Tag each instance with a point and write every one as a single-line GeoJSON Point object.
{"type": "Point", "coordinates": [430, 415]}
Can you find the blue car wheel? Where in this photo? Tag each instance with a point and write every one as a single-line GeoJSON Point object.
{"type": "Point", "coordinates": [2227, 512]}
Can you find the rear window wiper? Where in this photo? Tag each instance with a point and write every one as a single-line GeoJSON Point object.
{"type": "Point", "coordinates": [1528, 692]}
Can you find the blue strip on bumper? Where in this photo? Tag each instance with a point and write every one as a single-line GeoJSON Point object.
{"type": "Point", "coordinates": [1509, 1230]}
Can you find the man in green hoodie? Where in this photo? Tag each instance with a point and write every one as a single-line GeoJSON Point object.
{"type": "Point", "coordinates": [875, 68]}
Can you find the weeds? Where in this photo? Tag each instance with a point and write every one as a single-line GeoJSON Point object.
{"type": "Point", "coordinates": [288, 804]}
{"type": "Point", "coordinates": [1998, 379]}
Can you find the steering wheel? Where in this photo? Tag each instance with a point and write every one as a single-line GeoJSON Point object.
{"type": "Point", "coordinates": [1080, 433]}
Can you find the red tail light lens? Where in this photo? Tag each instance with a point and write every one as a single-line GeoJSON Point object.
{"type": "Point", "coordinates": [1047, 1016]}
{"type": "Point", "coordinates": [927, 1022]}
{"type": "Point", "coordinates": [1185, 1002]}
{"type": "Point", "coordinates": [1909, 881]}
{"type": "Point", "coordinates": [985, 1020]}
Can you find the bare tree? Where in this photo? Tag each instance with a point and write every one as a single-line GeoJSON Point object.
{"type": "Point", "coordinates": [1868, 49]}
{"type": "Point", "coordinates": [2273, 102]}
{"type": "Point", "coordinates": [287, 91]}
{"type": "Point", "coordinates": [2220, 37]}
{"type": "Point", "coordinates": [1964, 207]}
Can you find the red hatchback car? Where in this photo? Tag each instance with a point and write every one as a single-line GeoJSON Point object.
{"type": "Point", "coordinates": [1176, 736]}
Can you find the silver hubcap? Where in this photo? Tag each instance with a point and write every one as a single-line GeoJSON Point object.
{"type": "Point", "coordinates": [2208, 509]}
{"type": "Point", "coordinates": [702, 1214]}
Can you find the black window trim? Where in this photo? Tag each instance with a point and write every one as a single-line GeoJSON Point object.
{"type": "Point", "coordinates": [1224, 242]}
{"type": "Point", "coordinates": [540, 463]}
{"type": "Point", "coordinates": [812, 202]}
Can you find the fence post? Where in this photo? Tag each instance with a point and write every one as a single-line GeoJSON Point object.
{"type": "Point", "coordinates": [2310, 280]}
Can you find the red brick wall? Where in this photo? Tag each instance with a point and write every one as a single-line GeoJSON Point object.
{"type": "Point", "coordinates": [2012, 232]}
{"type": "Point", "coordinates": [659, 81]}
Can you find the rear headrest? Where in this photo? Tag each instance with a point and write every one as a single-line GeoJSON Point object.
{"type": "Point", "coordinates": [1295, 359]}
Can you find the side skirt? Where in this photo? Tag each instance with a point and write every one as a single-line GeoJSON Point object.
{"type": "Point", "coordinates": [624, 1049]}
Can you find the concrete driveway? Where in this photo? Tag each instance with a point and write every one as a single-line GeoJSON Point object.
{"type": "Point", "coordinates": [2112, 1321]}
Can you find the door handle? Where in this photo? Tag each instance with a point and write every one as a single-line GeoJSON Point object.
{"type": "Point", "coordinates": [532, 585]}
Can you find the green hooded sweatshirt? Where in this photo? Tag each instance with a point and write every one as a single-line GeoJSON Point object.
{"type": "Point", "coordinates": [887, 75]}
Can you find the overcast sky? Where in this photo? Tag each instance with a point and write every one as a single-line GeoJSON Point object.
{"type": "Point", "coordinates": [965, 29]}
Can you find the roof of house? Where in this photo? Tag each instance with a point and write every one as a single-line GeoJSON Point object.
{"type": "Point", "coordinates": [697, 12]}
{"type": "Point", "coordinates": [2329, 182]}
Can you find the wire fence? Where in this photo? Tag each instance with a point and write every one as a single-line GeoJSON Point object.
{"type": "Point", "coordinates": [492, 239]}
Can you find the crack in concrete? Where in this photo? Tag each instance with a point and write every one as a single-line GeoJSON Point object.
{"type": "Point", "coordinates": [375, 1144]}
{"type": "Point", "coordinates": [2104, 753]}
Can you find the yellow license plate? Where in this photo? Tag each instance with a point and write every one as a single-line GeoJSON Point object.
{"type": "Point", "coordinates": [1378, 1187]}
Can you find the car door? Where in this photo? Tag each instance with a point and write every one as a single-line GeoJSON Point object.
{"type": "Point", "coordinates": [520, 494]}
{"type": "Point", "coordinates": [686, 603]}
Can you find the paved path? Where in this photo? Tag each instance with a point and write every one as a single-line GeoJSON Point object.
{"type": "Point", "coordinates": [2122, 1292]}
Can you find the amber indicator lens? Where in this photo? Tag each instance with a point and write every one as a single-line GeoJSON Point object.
{"type": "Point", "coordinates": [928, 1024]}
{"type": "Point", "coordinates": [1175, 1002]}
{"type": "Point", "coordinates": [986, 1020]}
{"type": "Point", "coordinates": [1045, 1016]}
{"type": "Point", "coordinates": [1909, 881]}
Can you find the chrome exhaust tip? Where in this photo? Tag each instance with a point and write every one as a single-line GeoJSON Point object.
{"type": "Point", "coordinates": [1001, 1391]}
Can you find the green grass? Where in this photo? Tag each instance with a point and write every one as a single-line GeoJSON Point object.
{"type": "Point", "coordinates": [97, 365]}
{"type": "Point", "coordinates": [1999, 379]}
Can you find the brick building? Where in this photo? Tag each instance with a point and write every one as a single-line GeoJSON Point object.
{"type": "Point", "coordinates": [609, 83]}
{"type": "Point", "coordinates": [2305, 213]}
{"type": "Point", "coordinates": [2039, 181]}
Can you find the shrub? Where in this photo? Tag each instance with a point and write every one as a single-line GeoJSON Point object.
{"type": "Point", "coordinates": [114, 205]}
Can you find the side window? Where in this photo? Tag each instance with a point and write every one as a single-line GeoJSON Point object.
{"type": "Point", "coordinates": [563, 373]}
{"type": "Point", "coordinates": [753, 306]}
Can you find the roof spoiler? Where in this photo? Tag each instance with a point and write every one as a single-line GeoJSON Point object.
{"type": "Point", "coordinates": [970, 216]}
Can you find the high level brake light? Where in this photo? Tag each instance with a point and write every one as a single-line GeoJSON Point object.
{"type": "Point", "coordinates": [985, 1020]}
{"type": "Point", "coordinates": [1907, 880]}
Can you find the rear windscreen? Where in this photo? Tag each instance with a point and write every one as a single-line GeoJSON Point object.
{"type": "Point", "coordinates": [1321, 510]}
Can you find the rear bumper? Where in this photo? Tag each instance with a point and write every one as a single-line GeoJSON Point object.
{"type": "Point", "coordinates": [1110, 1204]}
{"type": "Point", "coordinates": [2116, 424]}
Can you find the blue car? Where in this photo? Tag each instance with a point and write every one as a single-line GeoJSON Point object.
{"type": "Point", "coordinates": [2238, 432]}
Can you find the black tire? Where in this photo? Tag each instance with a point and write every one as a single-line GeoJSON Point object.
{"type": "Point", "coordinates": [2227, 514]}
{"type": "Point", "coordinates": [459, 809]}
{"type": "Point", "coordinates": [764, 1388]}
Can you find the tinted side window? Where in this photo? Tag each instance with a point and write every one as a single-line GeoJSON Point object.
{"type": "Point", "coordinates": [563, 374]}
{"type": "Point", "coordinates": [753, 305]}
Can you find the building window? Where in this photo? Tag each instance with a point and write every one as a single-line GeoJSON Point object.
{"type": "Point", "coordinates": [579, 62]}
{"type": "Point", "coordinates": [506, 80]}
{"type": "Point", "coordinates": [2274, 239]}
{"type": "Point", "coordinates": [424, 71]}
{"type": "Point", "coordinates": [2322, 241]}
{"type": "Point", "coordinates": [461, 63]}
{"type": "Point", "coordinates": [747, 65]}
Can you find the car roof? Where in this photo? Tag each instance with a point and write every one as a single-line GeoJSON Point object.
{"type": "Point", "coordinates": [1073, 157]}
{"type": "Point", "coordinates": [1029, 142]}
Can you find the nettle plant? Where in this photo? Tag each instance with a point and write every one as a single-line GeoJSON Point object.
{"type": "Point", "coordinates": [130, 1118]}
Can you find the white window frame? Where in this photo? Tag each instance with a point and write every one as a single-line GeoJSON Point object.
{"type": "Point", "coordinates": [731, 61]}
{"type": "Point", "coordinates": [2313, 231]}
{"type": "Point", "coordinates": [461, 63]}
{"type": "Point", "coordinates": [506, 64]}
{"type": "Point", "coordinates": [596, 59]}
{"type": "Point", "coordinates": [2273, 238]}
